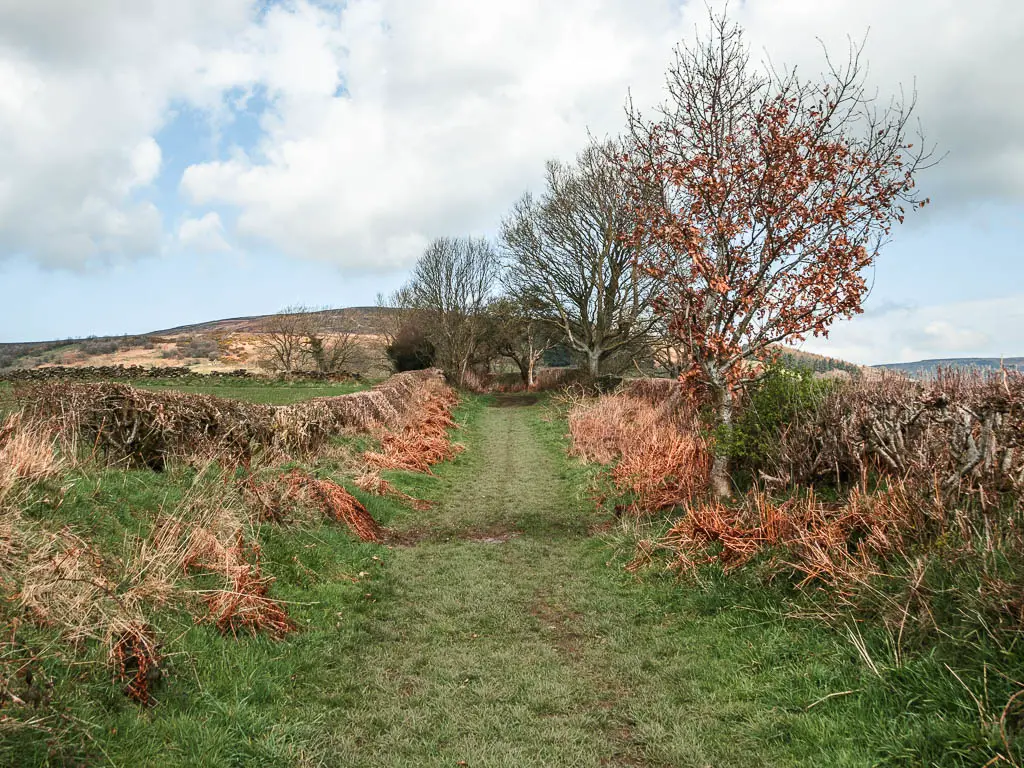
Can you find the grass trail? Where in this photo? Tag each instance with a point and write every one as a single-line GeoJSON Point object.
{"type": "Point", "coordinates": [505, 640]}
{"type": "Point", "coordinates": [502, 631]}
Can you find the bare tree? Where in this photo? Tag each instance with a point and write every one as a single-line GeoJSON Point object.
{"type": "Point", "coordinates": [330, 345]}
{"type": "Point", "coordinates": [282, 338]}
{"type": "Point", "coordinates": [449, 290]}
{"type": "Point", "coordinates": [518, 334]}
{"type": "Point", "coordinates": [300, 337]}
{"type": "Point", "coordinates": [567, 254]}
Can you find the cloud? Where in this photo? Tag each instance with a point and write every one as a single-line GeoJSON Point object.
{"type": "Point", "coordinates": [84, 88]}
{"type": "Point", "coordinates": [205, 234]}
{"type": "Point", "coordinates": [410, 119]}
{"type": "Point", "coordinates": [990, 328]}
{"type": "Point", "coordinates": [407, 120]}
{"type": "Point", "coordinates": [383, 123]}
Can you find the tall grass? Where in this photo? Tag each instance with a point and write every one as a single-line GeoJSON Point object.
{"type": "Point", "coordinates": [658, 455]}
{"type": "Point", "coordinates": [199, 555]}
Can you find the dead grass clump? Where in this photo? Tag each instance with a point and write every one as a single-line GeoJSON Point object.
{"type": "Point", "coordinates": [372, 482]}
{"type": "Point", "coordinates": [662, 467]}
{"type": "Point", "coordinates": [337, 503]}
{"type": "Point", "coordinates": [652, 391]}
{"type": "Point", "coordinates": [26, 456]}
{"type": "Point", "coordinates": [423, 440]}
{"type": "Point", "coordinates": [244, 604]}
{"type": "Point", "coordinates": [135, 657]}
{"type": "Point", "coordinates": [64, 583]}
{"type": "Point", "coordinates": [660, 459]}
{"type": "Point", "coordinates": [826, 543]}
{"type": "Point", "coordinates": [207, 532]}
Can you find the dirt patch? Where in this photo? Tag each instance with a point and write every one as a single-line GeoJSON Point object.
{"type": "Point", "coordinates": [514, 400]}
{"type": "Point", "coordinates": [560, 624]}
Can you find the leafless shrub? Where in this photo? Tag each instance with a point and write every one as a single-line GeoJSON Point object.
{"type": "Point", "coordinates": [962, 432]}
{"type": "Point", "coordinates": [135, 427]}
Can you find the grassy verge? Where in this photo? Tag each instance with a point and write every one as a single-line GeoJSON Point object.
{"type": "Point", "coordinates": [499, 628]}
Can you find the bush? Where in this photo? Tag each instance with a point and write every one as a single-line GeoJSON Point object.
{"type": "Point", "coordinates": [781, 397]}
{"type": "Point", "coordinates": [98, 347]}
{"type": "Point", "coordinates": [411, 350]}
{"type": "Point", "coordinates": [199, 348]}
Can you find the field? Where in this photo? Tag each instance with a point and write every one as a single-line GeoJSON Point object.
{"type": "Point", "coordinates": [501, 623]}
{"type": "Point", "coordinates": [270, 393]}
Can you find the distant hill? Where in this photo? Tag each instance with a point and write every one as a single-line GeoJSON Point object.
{"type": "Point", "coordinates": [364, 320]}
{"type": "Point", "coordinates": [218, 343]}
{"type": "Point", "coordinates": [922, 368]}
{"type": "Point", "coordinates": [818, 363]}
{"type": "Point", "coordinates": [228, 343]}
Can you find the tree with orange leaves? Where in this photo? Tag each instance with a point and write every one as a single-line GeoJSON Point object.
{"type": "Point", "coordinates": [760, 201]}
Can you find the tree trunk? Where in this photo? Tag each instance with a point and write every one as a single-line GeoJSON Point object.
{"type": "Point", "coordinates": [594, 363]}
{"type": "Point", "coordinates": [525, 371]}
{"type": "Point", "coordinates": [721, 482]}
{"type": "Point", "coordinates": [529, 373]}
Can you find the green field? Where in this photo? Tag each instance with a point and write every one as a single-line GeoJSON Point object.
{"type": "Point", "coordinates": [502, 630]}
{"type": "Point", "coordinates": [271, 393]}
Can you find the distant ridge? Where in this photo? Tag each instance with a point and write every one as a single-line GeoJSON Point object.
{"type": "Point", "coordinates": [360, 320]}
{"type": "Point", "coordinates": [113, 350]}
{"type": "Point", "coordinates": [922, 368]}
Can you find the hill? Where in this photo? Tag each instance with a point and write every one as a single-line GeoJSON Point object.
{"type": "Point", "coordinates": [221, 344]}
{"type": "Point", "coordinates": [922, 368]}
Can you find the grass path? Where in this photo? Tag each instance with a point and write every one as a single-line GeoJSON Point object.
{"type": "Point", "coordinates": [503, 631]}
{"type": "Point", "coordinates": [504, 640]}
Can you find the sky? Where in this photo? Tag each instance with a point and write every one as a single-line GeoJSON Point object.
{"type": "Point", "coordinates": [165, 162]}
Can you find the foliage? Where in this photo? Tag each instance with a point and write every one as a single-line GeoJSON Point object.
{"type": "Point", "coordinates": [775, 195]}
{"type": "Point", "coordinates": [759, 200]}
{"type": "Point", "coordinates": [411, 349]}
{"type": "Point", "coordinates": [781, 396]}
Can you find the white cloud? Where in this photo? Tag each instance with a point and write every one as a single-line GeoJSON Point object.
{"type": "Point", "coordinates": [989, 328]}
{"type": "Point", "coordinates": [391, 121]}
{"type": "Point", "coordinates": [448, 113]}
{"type": "Point", "coordinates": [84, 87]}
{"type": "Point", "coordinates": [205, 234]}
{"type": "Point", "coordinates": [451, 106]}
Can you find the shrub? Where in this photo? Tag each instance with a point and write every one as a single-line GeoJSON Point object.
{"type": "Point", "coordinates": [411, 350]}
{"type": "Point", "coordinates": [781, 397]}
{"type": "Point", "coordinates": [98, 347]}
{"type": "Point", "coordinates": [200, 348]}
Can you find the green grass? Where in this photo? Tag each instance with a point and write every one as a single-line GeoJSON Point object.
{"type": "Point", "coordinates": [7, 404]}
{"type": "Point", "coordinates": [504, 632]}
{"type": "Point", "coordinates": [270, 393]}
